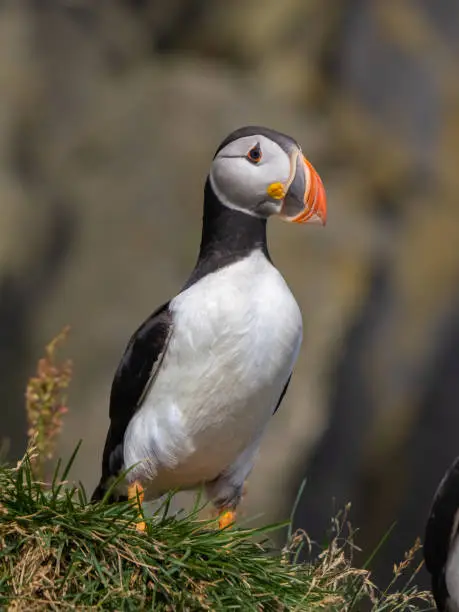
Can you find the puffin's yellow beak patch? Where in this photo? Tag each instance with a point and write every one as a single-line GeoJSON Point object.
{"type": "Point", "coordinates": [276, 191]}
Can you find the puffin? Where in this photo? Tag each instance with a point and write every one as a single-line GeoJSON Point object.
{"type": "Point", "coordinates": [202, 376]}
{"type": "Point", "coordinates": [441, 542]}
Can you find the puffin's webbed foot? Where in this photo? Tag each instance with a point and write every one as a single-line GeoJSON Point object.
{"type": "Point", "coordinates": [136, 492]}
{"type": "Point", "coordinates": [226, 518]}
{"type": "Point", "coordinates": [226, 508]}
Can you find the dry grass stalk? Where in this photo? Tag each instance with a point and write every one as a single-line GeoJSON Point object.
{"type": "Point", "coordinates": [46, 404]}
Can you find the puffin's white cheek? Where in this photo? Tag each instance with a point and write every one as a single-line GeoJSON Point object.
{"type": "Point", "coordinates": [234, 182]}
{"type": "Point", "coordinates": [276, 171]}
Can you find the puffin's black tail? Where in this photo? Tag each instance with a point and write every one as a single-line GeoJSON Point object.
{"type": "Point", "coordinates": [112, 465]}
{"type": "Point", "coordinates": [100, 492]}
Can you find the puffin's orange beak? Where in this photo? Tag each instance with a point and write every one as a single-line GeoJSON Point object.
{"type": "Point", "coordinates": [305, 201]}
{"type": "Point", "coordinates": [315, 200]}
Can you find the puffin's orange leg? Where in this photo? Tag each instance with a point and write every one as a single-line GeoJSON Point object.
{"type": "Point", "coordinates": [227, 516]}
{"type": "Point", "coordinates": [136, 492]}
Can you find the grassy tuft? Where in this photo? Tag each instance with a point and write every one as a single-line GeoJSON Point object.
{"type": "Point", "coordinates": [58, 552]}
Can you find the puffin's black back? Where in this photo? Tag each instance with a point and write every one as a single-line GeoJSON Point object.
{"type": "Point", "coordinates": [137, 368]}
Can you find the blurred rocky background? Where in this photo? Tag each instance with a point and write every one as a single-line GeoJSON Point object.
{"type": "Point", "coordinates": [110, 113]}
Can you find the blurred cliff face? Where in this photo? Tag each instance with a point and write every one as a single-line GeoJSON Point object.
{"type": "Point", "coordinates": [109, 116]}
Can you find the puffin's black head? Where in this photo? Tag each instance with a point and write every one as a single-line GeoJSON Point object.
{"type": "Point", "coordinates": [262, 172]}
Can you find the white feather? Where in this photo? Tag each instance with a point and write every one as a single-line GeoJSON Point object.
{"type": "Point", "coordinates": [236, 336]}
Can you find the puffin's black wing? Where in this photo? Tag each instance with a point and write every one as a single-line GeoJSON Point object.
{"type": "Point", "coordinates": [284, 391]}
{"type": "Point", "coordinates": [440, 524]}
{"type": "Point", "coordinates": [133, 378]}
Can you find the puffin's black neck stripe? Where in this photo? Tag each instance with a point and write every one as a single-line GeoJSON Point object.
{"type": "Point", "coordinates": [227, 236]}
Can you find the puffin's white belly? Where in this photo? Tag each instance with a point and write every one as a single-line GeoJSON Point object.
{"type": "Point", "coordinates": [236, 335]}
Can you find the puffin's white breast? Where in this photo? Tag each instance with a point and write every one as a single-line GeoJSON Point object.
{"type": "Point", "coordinates": [236, 335]}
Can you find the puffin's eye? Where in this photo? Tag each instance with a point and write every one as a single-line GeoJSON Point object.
{"type": "Point", "coordinates": [254, 155]}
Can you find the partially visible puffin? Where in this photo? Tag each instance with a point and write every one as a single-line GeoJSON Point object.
{"type": "Point", "coordinates": [441, 542]}
{"type": "Point", "coordinates": [202, 376]}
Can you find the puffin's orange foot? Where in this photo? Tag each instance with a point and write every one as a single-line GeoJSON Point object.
{"type": "Point", "coordinates": [228, 517]}
{"type": "Point", "coordinates": [136, 492]}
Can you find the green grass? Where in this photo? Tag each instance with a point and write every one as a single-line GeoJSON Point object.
{"type": "Point", "coordinates": [57, 552]}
